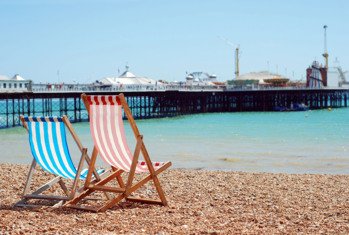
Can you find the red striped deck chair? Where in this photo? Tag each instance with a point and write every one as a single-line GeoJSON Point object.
{"type": "Point", "coordinates": [49, 147]}
{"type": "Point", "coordinates": [107, 129]}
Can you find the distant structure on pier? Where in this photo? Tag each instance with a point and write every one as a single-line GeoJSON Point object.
{"type": "Point", "coordinates": [201, 79]}
{"type": "Point", "coordinates": [316, 75]}
{"type": "Point", "coordinates": [14, 84]}
{"type": "Point", "coordinates": [259, 79]}
{"type": "Point", "coordinates": [127, 78]}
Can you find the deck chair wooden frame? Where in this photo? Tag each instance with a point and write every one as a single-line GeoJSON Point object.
{"type": "Point", "coordinates": [69, 193]}
{"type": "Point", "coordinates": [124, 189]}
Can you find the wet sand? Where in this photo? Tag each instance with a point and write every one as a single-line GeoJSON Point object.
{"type": "Point", "coordinates": [213, 202]}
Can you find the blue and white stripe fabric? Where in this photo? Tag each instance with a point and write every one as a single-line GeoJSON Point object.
{"type": "Point", "coordinates": [49, 146]}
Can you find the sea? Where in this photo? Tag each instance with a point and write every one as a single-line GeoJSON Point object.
{"type": "Point", "coordinates": [276, 142]}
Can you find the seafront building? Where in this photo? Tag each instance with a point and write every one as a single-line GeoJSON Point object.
{"type": "Point", "coordinates": [128, 81]}
{"type": "Point", "coordinates": [264, 78]}
{"type": "Point", "coordinates": [14, 84]}
{"type": "Point", "coordinates": [201, 79]}
{"type": "Point", "coordinates": [256, 80]}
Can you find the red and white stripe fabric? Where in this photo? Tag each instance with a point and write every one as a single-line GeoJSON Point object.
{"type": "Point", "coordinates": [108, 133]}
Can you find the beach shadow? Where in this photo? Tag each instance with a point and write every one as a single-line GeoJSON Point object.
{"type": "Point", "coordinates": [66, 210]}
{"type": "Point", "coordinates": [72, 211]}
{"type": "Point", "coordinates": [15, 208]}
{"type": "Point", "coordinates": [6, 207]}
{"type": "Point", "coordinates": [33, 206]}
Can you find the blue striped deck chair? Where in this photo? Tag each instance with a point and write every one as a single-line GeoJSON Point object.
{"type": "Point", "coordinates": [49, 147]}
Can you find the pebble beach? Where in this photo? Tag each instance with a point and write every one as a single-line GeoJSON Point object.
{"type": "Point", "coordinates": [200, 201]}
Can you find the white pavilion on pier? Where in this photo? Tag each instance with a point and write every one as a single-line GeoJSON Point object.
{"type": "Point", "coordinates": [127, 78]}
{"type": "Point", "coordinates": [14, 84]}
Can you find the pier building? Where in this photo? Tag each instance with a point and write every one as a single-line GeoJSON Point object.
{"type": "Point", "coordinates": [201, 79]}
{"type": "Point", "coordinates": [127, 80]}
{"type": "Point", "coordinates": [257, 80]}
{"type": "Point", "coordinates": [14, 84]}
{"type": "Point", "coordinates": [316, 75]}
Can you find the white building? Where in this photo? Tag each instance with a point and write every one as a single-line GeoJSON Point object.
{"type": "Point", "coordinates": [127, 80]}
{"type": "Point", "coordinates": [201, 79]}
{"type": "Point", "coordinates": [261, 77]}
{"type": "Point", "coordinates": [14, 84]}
{"type": "Point", "coordinates": [336, 77]}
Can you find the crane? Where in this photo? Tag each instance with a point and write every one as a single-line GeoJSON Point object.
{"type": "Point", "coordinates": [325, 54]}
{"type": "Point", "coordinates": [236, 47]}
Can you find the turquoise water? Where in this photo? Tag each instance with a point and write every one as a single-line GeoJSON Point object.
{"type": "Point", "coordinates": [289, 142]}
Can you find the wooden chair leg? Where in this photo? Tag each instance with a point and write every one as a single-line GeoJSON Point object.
{"type": "Point", "coordinates": [29, 177]}
{"type": "Point", "coordinates": [64, 187]}
{"type": "Point", "coordinates": [159, 190]}
{"type": "Point", "coordinates": [120, 181]}
{"type": "Point", "coordinates": [91, 167]}
{"type": "Point", "coordinates": [77, 178]}
{"type": "Point", "coordinates": [133, 165]}
{"type": "Point", "coordinates": [118, 178]}
{"type": "Point", "coordinates": [145, 180]}
{"type": "Point", "coordinates": [154, 175]}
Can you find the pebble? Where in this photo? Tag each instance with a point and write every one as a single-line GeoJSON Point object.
{"type": "Point", "coordinates": [200, 201]}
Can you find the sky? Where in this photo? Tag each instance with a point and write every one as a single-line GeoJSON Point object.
{"type": "Point", "coordinates": [84, 40]}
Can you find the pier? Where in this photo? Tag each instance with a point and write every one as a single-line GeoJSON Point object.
{"type": "Point", "coordinates": [156, 104]}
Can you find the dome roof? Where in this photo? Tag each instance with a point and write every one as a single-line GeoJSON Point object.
{"type": "Point", "coordinates": [17, 77]}
{"type": "Point", "coordinates": [260, 76]}
{"type": "Point", "coordinates": [127, 74]}
{"type": "Point", "coordinates": [127, 78]}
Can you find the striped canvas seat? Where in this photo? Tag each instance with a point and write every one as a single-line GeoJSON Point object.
{"type": "Point", "coordinates": [48, 143]}
{"type": "Point", "coordinates": [49, 147]}
{"type": "Point", "coordinates": [108, 133]}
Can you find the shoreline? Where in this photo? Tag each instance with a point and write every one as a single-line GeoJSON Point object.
{"type": "Point", "coordinates": [210, 170]}
{"type": "Point", "coordinates": [200, 201]}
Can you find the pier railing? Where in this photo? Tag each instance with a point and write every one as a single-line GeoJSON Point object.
{"type": "Point", "coordinates": [43, 88]}
{"type": "Point", "coordinates": [154, 104]}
